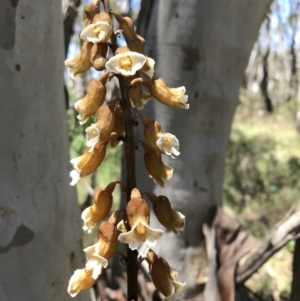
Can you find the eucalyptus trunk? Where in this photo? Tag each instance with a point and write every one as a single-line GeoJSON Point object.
{"type": "Point", "coordinates": [205, 46]}
{"type": "Point", "coordinates": [40, 236]}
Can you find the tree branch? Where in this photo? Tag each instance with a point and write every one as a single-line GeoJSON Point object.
{"type": "Point", "coordinates": [287, 229]}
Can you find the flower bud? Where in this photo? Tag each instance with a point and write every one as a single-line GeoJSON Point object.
{"type": "Point", "coordinates": [162, 276]}
{"type": "Point", "coordinates": [90, 10]}
{"type": "Point", "coordinates": [93, 99]}
{"type": "Point", "coordinates": [119, 127]}
{"type": "Point", "coordinates": [125, 62]}
{"type": "Point", "coordinates": [81, 280]}
{"type": "Point", "coordinates": [157, 169]}
{"type": "Point", "coordinates": [80, 63]}
{"type": "Point", "coordinates": [102, 129]}
{"type": "Point", "coordinates": [98, 56]}
{"type": "Point", "coordinates": [138, 97]}
{"type": "Point", "coordinates": [99, 31]}
{"type": "Point", "coordinates": [126, 26]}
{"type": "Point", "coordinates": [99, 210]}
{"type": "Point", "coordinates": [168, 217]}
{"type": "Point", "coordinates": [89, 161]}
{"type": "Point", "coordinates": [141, 236]}
{"type": "Point", "coordinates": [98, 254]}
{"type": "Point", "coordinates": [174, 97]}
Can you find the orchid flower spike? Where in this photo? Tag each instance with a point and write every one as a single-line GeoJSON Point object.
{"type": "Point", "coordinates": [101, 130]}
{"type": "Point", "coordinates": [141, 236]}
{"type": "Point", "coordinates": [103, 200]}
{"type": "Point", "coordinates": [94, 98]}
{"type": "Point", "coordinates": [99, 31]}
{"type": "Point", "coordinates": [163, 277]}
{"type": "Point", "coordinates": [164, 143]}
{"type": "Point", "coordinates": [158, 170]}
{"type": "Point", "coordinates": [173, 97]}
{"type": "Point", "coordinates": [171, 219]}
{"type": "Point", "coordinates": [125, 62]}
{"type": "Point", "coordinates": [80, 63]}
{"type": "Point", "coordinates": [89, 161]}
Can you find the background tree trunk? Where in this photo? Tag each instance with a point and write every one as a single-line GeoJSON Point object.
{"type": "Point", "coordinates": [40, 237]}
{"type": "Point", "coordinates": [205, 46]}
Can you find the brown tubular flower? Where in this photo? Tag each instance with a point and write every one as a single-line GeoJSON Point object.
{"type": "Point", "coordinates": [162, 276]}
{"type": "Point", "coordinates": [99, 210]}
{"type": "Point", "coordinates": [133, 40]}
{"type": "Point", "coordinates": [81, 280]}
{"type": "Point", "coordinates": [99, 31]}
{"type": "Point", "coordinates": [101, 130]}
{"type": "Point", "coordinates": [138, 97]}
{"type": "Point", "coordinates": [90, 11]}
{"type": "Point", "coordinates": [98, 56]}
{"type": "Point", "coordinates": [141, 236]}
{"type": "Point", "coordinates": [89, 161]}
{"type": "Point", "coordinates": [80, 63]}
{"type": "Point", "coordinates": [94, 98]}
{"type": "Point", "coordinates": [119, 127]}
{"type": "Point", "coordinates": [174, 97]}
{"type": "Point", "coordinates": [168, 217]}
{"type": "Point", "coordinates": [157, 169]}
{"type": "Point", "coordinates": [98, 254]}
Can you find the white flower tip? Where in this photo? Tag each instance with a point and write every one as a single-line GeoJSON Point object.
{"type": "Point", "coordinates": [74, 174]}
{"type": "Point", "coordinates": [95, 32]}
{"type": "Point", "coordinates": [126, 63]}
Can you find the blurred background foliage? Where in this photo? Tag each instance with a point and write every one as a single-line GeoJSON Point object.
{"type": "Point", "coordinates": [262, 178]}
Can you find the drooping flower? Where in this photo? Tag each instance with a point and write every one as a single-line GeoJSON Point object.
{"type": "Point", "coordinates": [94, 98]}
{"type": "Point", "coordinates": [99, 31]}
{"type": "Point", "coordinates": [165, 143]}
{"type": "Point", "coordinates": [171, 219]}
{"type": "Point", "coordinates": [125, 62]}
{"type": "Point", "coordinates": [138, 97]}
{"type": "Point", "coordinates": [99, 210]}
{"type": "Point", "coordinates": [98, 56]}
{"type": "Point", "coordinates": [101, 130]}
{"type": "Point", "coordinates": [80, 63]}
{"type": "Point", "coordinates": [163, 277]}
{"type": "Point", "coordinates": [158, 170]}
{"type": "Point", "coordinates": [81, 279]}
{"type": "Point", "coordinates": [98, 254]}
{"type": "Point", "coordinates": [141, 236]}
{"type": "Point", "coordinates": [89, 161]}
{"type": "Point", "coordinates": [174, 97]}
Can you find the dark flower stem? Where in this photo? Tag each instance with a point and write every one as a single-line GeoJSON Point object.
{"type": "Point", "coordinates": [132, 263]}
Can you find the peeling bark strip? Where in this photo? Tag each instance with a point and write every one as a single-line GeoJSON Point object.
{"type": "Point", "coordinates": [21, 238]}
{"type": "Point", "coordinates": [7, 23]}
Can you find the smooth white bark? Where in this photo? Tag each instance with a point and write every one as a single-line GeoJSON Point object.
{"type": "Point", "coordinates": [205, 46]}
{"type": "Point", "coordinates": [40, 236]}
